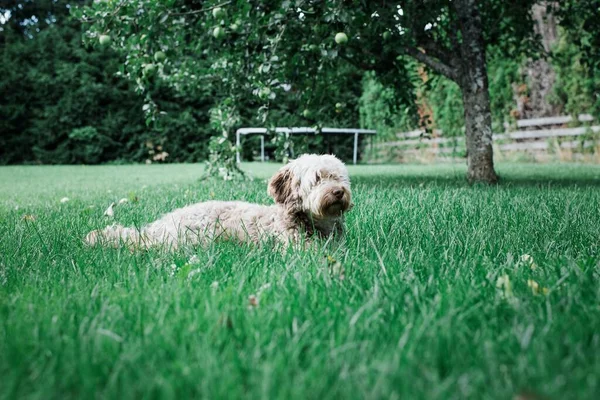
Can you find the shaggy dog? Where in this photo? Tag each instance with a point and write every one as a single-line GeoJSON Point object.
{"type": "Point", "coordinates": [311, 195]}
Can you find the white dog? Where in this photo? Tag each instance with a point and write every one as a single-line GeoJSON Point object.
{"type": "Point", "coordinates": [311, 194]}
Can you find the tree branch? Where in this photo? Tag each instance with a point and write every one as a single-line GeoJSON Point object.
{"type": "Point", "coordinates": [433, 49]}
{"type": "Point", "coordinates": [111, 15]}
{"type": "Point", "coordinates": [201, 10]}
{"type": "Point", "coordinates": [432, 62]}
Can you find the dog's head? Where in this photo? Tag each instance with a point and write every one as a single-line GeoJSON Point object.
{"type": "Point", "coordinates": [317, 185]}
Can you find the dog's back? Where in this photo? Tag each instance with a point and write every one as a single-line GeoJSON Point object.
{"type": "Point", "coordinates": [199, 223]}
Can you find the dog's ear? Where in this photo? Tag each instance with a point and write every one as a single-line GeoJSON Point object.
{"type": "Point", "coordinates": [280, 186]}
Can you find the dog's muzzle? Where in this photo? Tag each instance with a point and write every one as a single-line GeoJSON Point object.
{"type": "Point", "coordinates": [336, 201]}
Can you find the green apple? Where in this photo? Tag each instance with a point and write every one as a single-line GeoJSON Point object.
{"type": "Point", "coordinates": [104, 39]}
{"type": "Point", "coordinates": [218, 12]}
{"type": "Point", "coordinates": [386, 35]}
{"type": "Point", "coordinates": [219, 33]}
{"type": "Point", "coordinates": [307, 113]}
{"type": "Point", "coordinates": [234, 27]}
{"type": "Point", "coordinates": [341, 38]}
{"type": "Point", "coordinates": [160, 56]}
{"type": "Point", "coordinates": [149, 69]}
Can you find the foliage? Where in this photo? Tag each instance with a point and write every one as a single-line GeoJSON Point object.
{"type": "Point", "coordinates": [269, 48]}
{"type": "Point", "coordinates": [504, 75]}
{"type": "Point", "coordinates": [289, 56]}
{"type": "Point", "coordinates": [412, 307]}
{"type": "Point", "coordinates": [88, 145]}
{"type": "Point", "coordinates": [222, 160]}
{"type": "Point", "coordinates": [445, 97]}
{"type": "Point", "coordinates": [48, 76]}
{"type": "Point", "coordinates": [577, 80]}
{"type": "Point", "coordinates": [222, 157]}
{"type": "Point", "coordinates": [52, 86]}
{"type": "Point", "coordinates": [581, 20]}
{"type": "Point", "coordinates": [574, 86]}
{"type": "Point", "coordinates": [273, 60]}
{"type": "Point", "coordinates": [581, 16]}
{"type": "Point", "coordinates": [378, 110]}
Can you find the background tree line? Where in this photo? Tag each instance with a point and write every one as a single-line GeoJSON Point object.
{"type": "Point", "coordinates": [63, 102]}
{"type": "Point", "coordinates": [67, 102]}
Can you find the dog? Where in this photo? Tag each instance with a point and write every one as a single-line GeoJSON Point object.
{"type": "Point", "coordinates": [312, 194]}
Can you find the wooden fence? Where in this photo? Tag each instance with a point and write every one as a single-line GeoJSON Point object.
{"type": "Point", "coordinates": [539, 139]}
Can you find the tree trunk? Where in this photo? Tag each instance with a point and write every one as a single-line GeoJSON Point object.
{"type": "Point", "coordinates": [539, 73]}
{"type": "Point", "coordinates": [478, 124]}
{"type": "Point", "coordinates": [473, 81]}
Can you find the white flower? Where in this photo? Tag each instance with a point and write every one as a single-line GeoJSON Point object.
{"type": "Point", "coordinates": [64, 200]}
{"type": "Point", "coordinates": [527, 260]}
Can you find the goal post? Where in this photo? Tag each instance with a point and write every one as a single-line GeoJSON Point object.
{"type": "Point", "coordinates": [299, 131]}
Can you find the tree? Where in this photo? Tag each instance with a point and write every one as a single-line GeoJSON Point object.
{"type": "Point", "coordinates": [269, 48]}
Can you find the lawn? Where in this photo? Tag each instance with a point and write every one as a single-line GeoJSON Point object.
{"type": "Point", "coordinates": [428, 298]}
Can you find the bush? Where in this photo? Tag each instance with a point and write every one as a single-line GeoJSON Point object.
{"type": "Point", "coordinates": [87, 145]}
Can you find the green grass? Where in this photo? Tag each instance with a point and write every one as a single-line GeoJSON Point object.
{"type": "Point", "coordinates": [418, 314]}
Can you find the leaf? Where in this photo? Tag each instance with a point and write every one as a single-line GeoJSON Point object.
{"type": "Point", "coordinates": [184, 271]}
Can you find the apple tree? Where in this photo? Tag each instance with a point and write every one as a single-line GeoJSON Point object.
{"type": "Point", "coordinates": [273, 48]}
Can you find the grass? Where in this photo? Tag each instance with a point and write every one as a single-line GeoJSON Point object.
{"type": "Point", "coordinates": [417, 315]}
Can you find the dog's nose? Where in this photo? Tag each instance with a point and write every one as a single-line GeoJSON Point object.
{"type": "Point", "coordinates": [338, 193]}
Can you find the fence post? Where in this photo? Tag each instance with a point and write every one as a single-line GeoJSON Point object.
{"type": "Point", "coordinates": [237, 146]}
{"type": "Point", "coordinates": [262, 148]}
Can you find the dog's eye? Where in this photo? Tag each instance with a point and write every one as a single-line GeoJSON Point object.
{"type": "Point", "coordinates": [317, 179]}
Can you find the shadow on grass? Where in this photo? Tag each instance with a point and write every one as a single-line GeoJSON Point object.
{"type": "Point", "coordinates": [506, 180]}
{"type": "Point", "coordinates": [454, 174]}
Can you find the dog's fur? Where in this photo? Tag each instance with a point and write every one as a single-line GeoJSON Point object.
{"type": "Point", "coordinates": [311, 195]}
